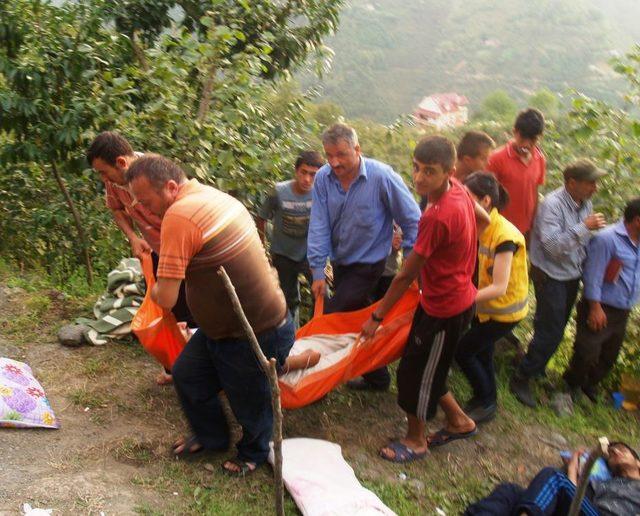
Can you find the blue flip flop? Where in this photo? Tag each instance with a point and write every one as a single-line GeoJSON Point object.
{"type": "Point", "coordinates": [402, 453]}
{"type": "Point", "coordinates": [442, 437]}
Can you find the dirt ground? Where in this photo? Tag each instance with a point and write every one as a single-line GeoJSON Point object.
{"type": "Point", "coordinates": [109, 409]}
{"type": "Point", "coordinates": [111, 454]}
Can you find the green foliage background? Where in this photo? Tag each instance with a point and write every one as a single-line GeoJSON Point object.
{"type": "Point", "coordinates": [391, 53]}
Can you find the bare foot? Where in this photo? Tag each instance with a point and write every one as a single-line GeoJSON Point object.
{"type": "Point", "coordinates": [238, 467]}
{"type": "Point", "coordinates": [304, 360]}
{"type": "Point", "coordinates": [164, 378]}
{"type": "Point", "coordinates": [186, 445]}
{"type": "Point", "coordinates": [461, 427]}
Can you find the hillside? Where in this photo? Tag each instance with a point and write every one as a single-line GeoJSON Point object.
{"type": "Point", "coordinates": [389, 53]}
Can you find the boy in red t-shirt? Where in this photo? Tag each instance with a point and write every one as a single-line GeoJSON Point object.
{"type": "Point", "coordinates": [444, 256]}
{"type": "Point", "coordinates": [520, 167]}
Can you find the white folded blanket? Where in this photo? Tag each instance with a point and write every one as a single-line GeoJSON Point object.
{"type": "Point", "coordinates": [322, 483]}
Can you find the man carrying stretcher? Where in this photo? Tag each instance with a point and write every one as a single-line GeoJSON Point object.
{"type": "Point", "coordinates": [444, 256]}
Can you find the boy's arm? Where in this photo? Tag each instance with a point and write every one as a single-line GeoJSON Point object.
{"type": "Point", "coordinates": [138, 244]}
{"type": "Point", "coordinates": [266, 212]}
{"type": "Point", "coordinates": [409, 272]}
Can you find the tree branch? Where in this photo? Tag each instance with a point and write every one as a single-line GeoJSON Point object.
{"type": "Point", "coordinates": [269, 368]}
{"type": "Point", "coordinates": [595, 454]}
{"type": "Point", "coordinates": [78, 222]}
{"type": "Point", "coordinates": [138, 51]}
{"type": "Point", "coordinates": [207, 91]}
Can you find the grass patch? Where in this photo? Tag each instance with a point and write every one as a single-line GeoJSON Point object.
{"type": "Point", "coordinates": [84, 398]}
{"type": "Point", "coordinates": [135, 452]}
{"type": "Point", "coordinates": [94, 367]}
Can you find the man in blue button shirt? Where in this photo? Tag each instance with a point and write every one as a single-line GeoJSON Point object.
{"type": "Point", "coordinates": [611, 281]}
{"type": "Point", "coordinates": [561, 232]}
{"type": "Point", "coordinates": [356, 201]}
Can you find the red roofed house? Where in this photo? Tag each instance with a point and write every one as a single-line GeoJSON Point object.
{"type": "Point", "coordinates": [442, 110]}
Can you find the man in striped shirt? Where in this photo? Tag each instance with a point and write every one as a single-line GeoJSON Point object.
{"type": "Point", "coordinates": [561, 232]}
{"type": "Point", "coordinates": [203, 229]}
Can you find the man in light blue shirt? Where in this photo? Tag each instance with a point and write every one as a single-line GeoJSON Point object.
{"type": "Point", "coordinates": [611, 288]}
{"type": "Point", "coordinates": [356, 200]}
{"type": "Point", "coordinates": [561, 232]}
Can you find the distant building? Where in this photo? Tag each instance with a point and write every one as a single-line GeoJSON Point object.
{"type": "Point", "coordinates": [442, 110]}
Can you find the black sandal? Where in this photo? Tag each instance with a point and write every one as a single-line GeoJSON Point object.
{"type": "Point", "coordinates": [244, 468]}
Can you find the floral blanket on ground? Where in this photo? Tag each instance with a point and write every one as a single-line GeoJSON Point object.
{"type": "Point", "coordinates": [23, 403]}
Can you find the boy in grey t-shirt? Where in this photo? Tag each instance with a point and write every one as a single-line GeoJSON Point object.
{"type": "Point", "coordinates": [288, 206]}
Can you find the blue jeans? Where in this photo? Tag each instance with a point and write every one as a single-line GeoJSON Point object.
{"type": "Point", "coordinates": [554, 302]}
{"type": "Point", "coordinates": [549, 494]}
{"type": "Point", "coordinates": [207, 366]}
{"type": "Point", "coordinates": [475, 357]}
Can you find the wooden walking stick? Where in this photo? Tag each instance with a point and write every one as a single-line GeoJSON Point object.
{"type": "Point", "coordinates": [269, 368]}
{"type": "Point", "coordinates": [596, 453]}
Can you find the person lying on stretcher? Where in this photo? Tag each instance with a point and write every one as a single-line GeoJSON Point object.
{"type": "Point", "coordinates": [304, 360]}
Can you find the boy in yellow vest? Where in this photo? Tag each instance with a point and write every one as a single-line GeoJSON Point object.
{"type": "Point", "coordinates": [501, 302]}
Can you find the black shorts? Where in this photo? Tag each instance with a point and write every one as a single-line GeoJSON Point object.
{"type": "Point", "coordinates": [427, 357]}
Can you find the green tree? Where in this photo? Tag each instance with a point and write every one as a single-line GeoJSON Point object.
{"type": "Point", "coordinates": [546, 101]}
{"type": "Point", "coordinates": [497, 106]}
{"type": "Point", "coordinates": [208, 97]}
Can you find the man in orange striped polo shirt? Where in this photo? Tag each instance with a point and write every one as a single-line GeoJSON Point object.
{"type": "Point", "coordinates": [203, 229]}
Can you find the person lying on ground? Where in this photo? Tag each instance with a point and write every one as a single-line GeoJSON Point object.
{"type": "Point", "coordinates": [502, 298]}
{"type": "Point", "coordinates": [445, 256]}
{"type": "Point", "coordinates": [551, 491]}
{"type": "Point", "coordinates": [202, 230]}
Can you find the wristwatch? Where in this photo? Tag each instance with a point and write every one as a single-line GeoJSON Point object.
{"type": "Point", "coordinates": [376, 318]}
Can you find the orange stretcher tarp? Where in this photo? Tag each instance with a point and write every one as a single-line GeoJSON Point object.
{"type": "Point", "coordinates": [157, 331]}
{"type": "Point", "coordinates": [385, 347]}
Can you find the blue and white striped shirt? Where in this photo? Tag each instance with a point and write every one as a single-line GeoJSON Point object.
{"type": "Point", "coordinates": [560, 236]}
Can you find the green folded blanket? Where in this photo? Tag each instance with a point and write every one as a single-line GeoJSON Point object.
{"type": "Point", "coordinates": [114, 310]}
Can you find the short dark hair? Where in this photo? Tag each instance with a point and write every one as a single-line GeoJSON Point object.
{"type": "Point", "coordinates": [157, 169]}
{"type": "Point", "coordinates": [620, 443]}
{"type": "Point", "coordinates": [473, 142]}
{"type": "Point", "coordinates": [485, 183]}
{"type": "Point", "coordinates": [435, 150]}
{"type": "Point", "coordinates": [529, 123]}
{"type": "Point", "coordinates": [632, 209]}
{"type": "Point", "coordinates": [108, 146]}
{"type": "Point", "coordinates": [310, 158]}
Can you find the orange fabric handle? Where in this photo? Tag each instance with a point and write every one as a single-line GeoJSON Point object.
{"type": "Point", "coordinates": [319, 306]}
